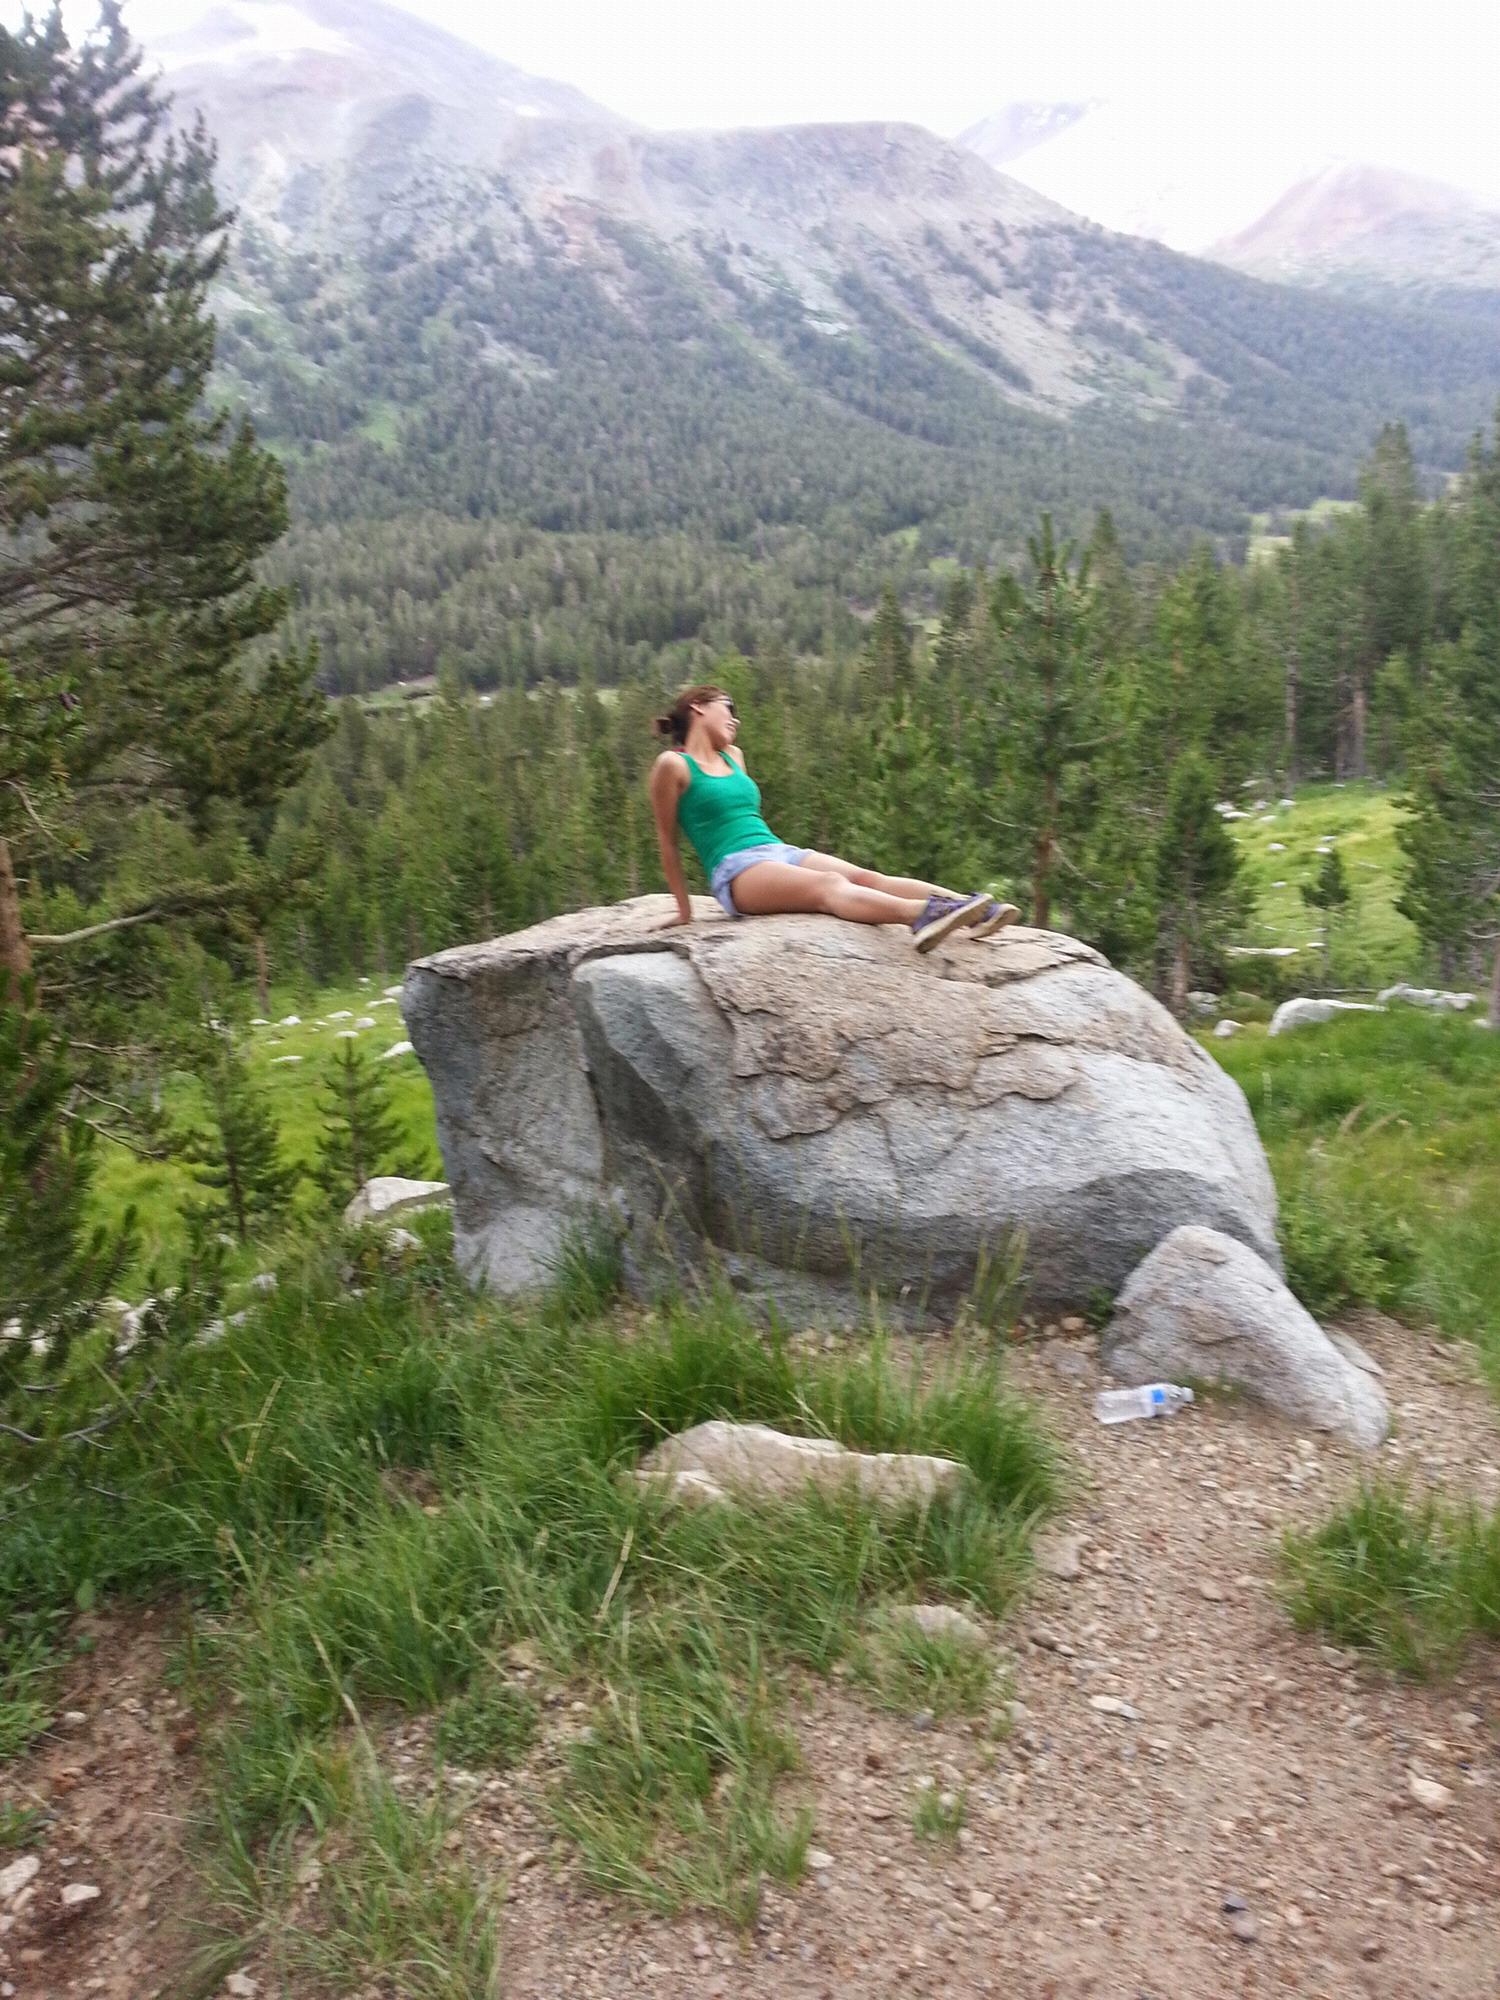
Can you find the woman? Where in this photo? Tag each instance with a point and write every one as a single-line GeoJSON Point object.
{"type": "Point", "coordinates": [702, 786]}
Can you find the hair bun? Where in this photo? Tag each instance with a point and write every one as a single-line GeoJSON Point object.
{"type": "Point", "coordinates": [661, 725]}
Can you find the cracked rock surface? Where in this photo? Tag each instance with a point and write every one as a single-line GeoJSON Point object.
{"type": "Point", "coordinates": [817, 1110]}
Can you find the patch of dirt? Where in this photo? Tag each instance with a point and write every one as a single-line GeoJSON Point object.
{"type": "Point", "coordinates": [1099, 1848]}
{"type": "Point", "coordinates": [1253, 1765]}
{"type": "Point", "coordinates": [116, 1776]}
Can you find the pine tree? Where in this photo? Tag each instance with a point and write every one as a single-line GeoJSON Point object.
{"type": "Point", "coordinates": [1329, 891]}
{"type": "Point", "coordinates": [362, 1135]}
{"type": "Point", "coordinates": [889, 648]}
{"type": "Point", "coordinates": [1451, 837]}
{"type": "Point", "coordinates": [55, 1265]}
{"type": "Point", "coordinates": [238, 1158]}
{"type": "Point", "coordinates": [127, 511]}
{"type": "Point", "coordinates": [1044, 713]}
{"type": "Point", "coordinates": [1197, 865]}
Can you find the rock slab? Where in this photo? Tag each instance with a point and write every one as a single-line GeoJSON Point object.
{"type": "Point", "coordinates": [1203, 1305]}
{"type": "Point", "coordinates": [389, 1194]}
{"type": "Point", "coordinates": [819, 1112]}
{"type": "Point", "coordinates": [719, 1460]}
{"type": "Point", "coordinates": [1306, 1013]}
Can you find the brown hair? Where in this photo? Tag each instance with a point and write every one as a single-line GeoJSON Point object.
{"type": "Point", "coordinates": [674, 725]}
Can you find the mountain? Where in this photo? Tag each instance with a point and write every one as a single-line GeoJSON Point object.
{"type": "Point", "coordinates": [557, 393]}
{"type": "Point", "coordinates": [1355, 225]}
{"type": "Point", "coordinates": [1020, 128]}
{"type": "Point", "coordinates": [1177, 172]}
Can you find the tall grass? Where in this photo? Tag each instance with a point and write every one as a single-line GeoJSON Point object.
{"type": "Point", "coordinates": [1411, 1579]}
{"type": "Point", "coordinates": [378, 1484]}
{"type": "Point", "coordinates": [1383, 1132]}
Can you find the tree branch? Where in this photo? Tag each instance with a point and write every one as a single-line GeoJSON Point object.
{"type": "Point", "coordinates": [99, 930]}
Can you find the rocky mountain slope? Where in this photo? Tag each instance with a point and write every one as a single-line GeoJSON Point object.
{"type": "Point", "coordinates": [468, 295]}
{"type": "Point", "coordinates": [1359, 225]}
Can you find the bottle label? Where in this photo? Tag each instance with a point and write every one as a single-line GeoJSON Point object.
{"type": "Point", "coordinates": [1158, 1396]}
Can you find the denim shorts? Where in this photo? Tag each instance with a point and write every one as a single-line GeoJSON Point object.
{"type": "Point", "coordinates": [736, 864]}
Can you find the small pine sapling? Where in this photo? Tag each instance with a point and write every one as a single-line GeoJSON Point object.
{"type": "Point", "coordinates": [362, 1135]}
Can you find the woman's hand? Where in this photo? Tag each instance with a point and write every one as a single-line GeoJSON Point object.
{"type": "Point", "coordinates": [675, 923]}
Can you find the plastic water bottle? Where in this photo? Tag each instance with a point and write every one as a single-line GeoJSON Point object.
{"type": "Point", "coordinates": [1156, 1399]}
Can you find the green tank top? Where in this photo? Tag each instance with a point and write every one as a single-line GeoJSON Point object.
{"type": "Point", "coordinates": [721, 815]}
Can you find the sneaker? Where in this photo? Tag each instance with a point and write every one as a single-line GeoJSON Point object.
{"type": "Point", "coordinates": [941, 916]}
{"type": "Point", "coordinates": [993, 917]}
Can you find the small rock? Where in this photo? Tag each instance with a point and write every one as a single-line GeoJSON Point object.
{"type": "Point", "coordinates": [14, 1878]}
{"type": "Point", "coordinates": [1210, 1592]}
{"type": "Point", "coordinates": [1447, 1916]}
{"type": "Point", "coordinates": [980, 1900]}
{"type": "Point", "coordinates": [76, 1895]}
{"type": "Point", "coordinates": [74, 1718]}
{"type": "Point", "coordinates": [241, 1986]}
{"type": "Point", "coordinates": [923, 1719]}
{"type": "Point", "coordinates": [1058, 1554]}
{"type": "Point", "coordinates": [1112, 1704]}
{"type": "Point", "coordinates": [1371, 1949]}
{"type": "Point", "coordinates": [1233, 1901]}
{"type": "Point", "coordinates": [819, 1859]}
{"type": "Point", "coordinates": [1244, 1927]}
{"type": "Point", "coordinates": [263, 1281]}
{"type": "Point", "coordinates": [1428, 1793]}
{"type": "Point", "coordinates": [940, 1621]}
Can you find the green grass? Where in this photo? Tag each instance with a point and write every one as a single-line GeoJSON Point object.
{"type": "Point", "coordinates": [370, 1492]}
{"type": "Point", "coordinates": [1372, 944]}
{"type": "Point", "coordinates": [1412, 1580]}
{"type": "Point", "coordinates": [1383, 1133]}
{"type": "Point", "coordinates": [909, 1670]}
{"type": "Point", "coordinates": [490, 1726]}
{"type": "Point", "coordinates": [937, 1816]}
{"type": "Point", "coordinates": [159, 1188]}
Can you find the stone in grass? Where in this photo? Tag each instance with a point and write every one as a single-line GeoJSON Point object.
{"type": "Point", "coordinates": [1203, 1306]}
{"type": "Point", "coordinates": [396, 1049]}
{"type": "Point", "coordinates": [1224, 1029]}
{"type": "Point", "coordinates": [1426, 996]}
{"type": "Point", "coordinates": [939, 1621]}
{"type": "Point", "coordinates": [1306, 1013]}
{"type": "Point", "coordinates": [390, 1194]}
{"type": "Point", "coordinates": [719, 1460]}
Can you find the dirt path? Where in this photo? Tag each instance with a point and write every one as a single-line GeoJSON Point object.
{"type": "Point", "coordinates": [1099, 1848]}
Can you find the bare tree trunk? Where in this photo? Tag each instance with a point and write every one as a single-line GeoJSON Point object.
{"type": "Point", "coordinates": [1041, 883]}
{"type": "Point", "coordinates": [1180, 972]}
{"type": "Point", "coordinates": [262, 974]}
{"type": "Point", "coordinates": [1359, 713]}
{"type": "Point", "coordinates": [15, 951]}
{"type": "Point", "coordinates": [1495, 987]}
{"type": "Point", "coordinates": [1292, 689]}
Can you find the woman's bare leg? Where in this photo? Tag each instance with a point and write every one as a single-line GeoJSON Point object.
{"type": "Point", "coordinates": [773, 888]}
{"type": "Point", "coordinates": [871, 878]}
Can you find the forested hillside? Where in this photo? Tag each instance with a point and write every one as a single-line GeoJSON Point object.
{"type": "Point", "coordinates": [714, 389]}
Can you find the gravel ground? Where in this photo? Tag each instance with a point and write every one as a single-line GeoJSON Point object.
{"type": "Point", "coordinates": [1195, 1800]}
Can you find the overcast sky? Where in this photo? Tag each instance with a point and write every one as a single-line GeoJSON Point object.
{"type": "Point", "coordinates": [1407, 83]}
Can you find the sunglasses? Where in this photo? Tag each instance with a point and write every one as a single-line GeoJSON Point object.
{"type": "Point", "coordinates": [728, 703]}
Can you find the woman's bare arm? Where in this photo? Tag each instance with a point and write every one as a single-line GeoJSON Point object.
{"type": "Point", "coordinates": [668, 783]}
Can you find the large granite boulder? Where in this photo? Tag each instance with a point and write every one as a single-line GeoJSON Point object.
{"type": "Point", "coordinates": [819, 1111]}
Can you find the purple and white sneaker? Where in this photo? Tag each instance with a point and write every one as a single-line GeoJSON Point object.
{"type": "Point", "coordinates": [941, 916]}
{"type": "Point", "coordinates": [993, 917]}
